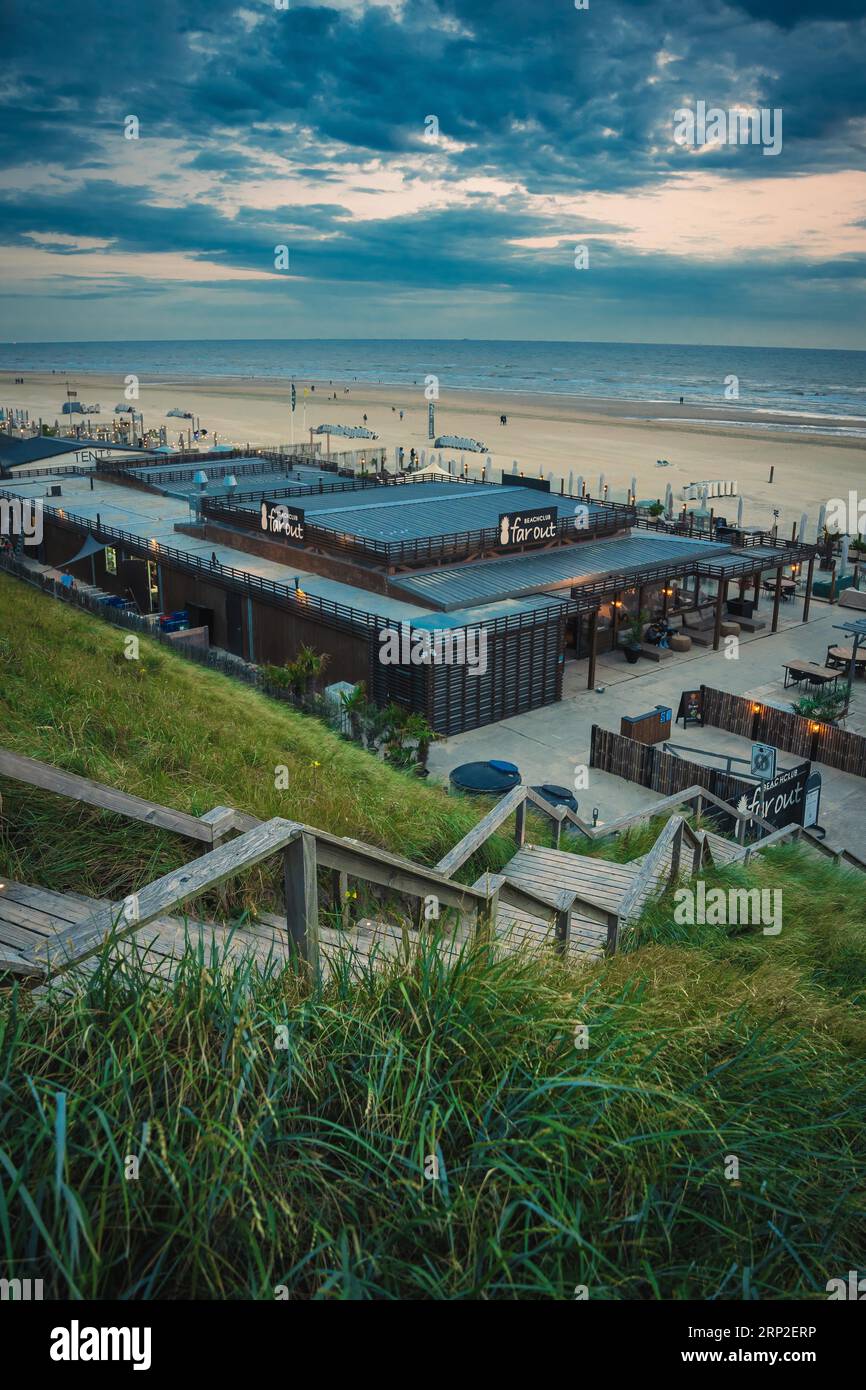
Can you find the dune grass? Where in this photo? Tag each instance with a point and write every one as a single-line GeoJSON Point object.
{"type": "Point", "coordinates": [433, 1134]}
{"type": "Point", "coordinates": [186, 737]}
{"type": "Point", "coordinates": [423, 1132]}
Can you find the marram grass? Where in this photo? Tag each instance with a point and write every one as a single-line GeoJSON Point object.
{"type": "Point", "coordinates": [432, 1133]}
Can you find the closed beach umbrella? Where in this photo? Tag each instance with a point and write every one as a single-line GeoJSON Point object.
{"type": "Point", "coordinates": [600, 492]}
{"type": "Point", "coordinates": [580, 486]}
{"type": "Point", "coordinates": [487, 467]}
{"type": "Point", "coordinates": [739, 511]}
{"type": "Point", "coordinates": [571, 482]}
{"type": "Point", "coordinates": [514, 465]}
{"type": "Point", "coordinates": [843, 559]}
{"type": "Point", "coordinates": [540, 471]}
{"type": "Point", "coordinates": [634, 488]}
{"type": "Point", "coordinates": [822, 517]}
{"type": "Point", "coordinates": [803, 520]}
{"type": "Point", "coordinates": [669, 498]}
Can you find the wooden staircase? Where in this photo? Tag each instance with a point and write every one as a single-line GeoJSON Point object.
{"type": "Point", "coordinates": [580, 905]}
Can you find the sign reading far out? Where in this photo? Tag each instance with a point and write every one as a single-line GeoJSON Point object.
{"type": "Point", "coordinates": [782, 800]}
{"type": "Point", "coordinates": [281, 520]}
{"type": "Point", "coordinates": [527, 528]}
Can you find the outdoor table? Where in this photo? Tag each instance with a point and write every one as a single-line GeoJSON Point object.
{"type": "Point", "coordinates": [810, 672]}
{"type": "Point", "coordinates": [841, 656]}
{"type": "Point", "coordinates": [788, 587]}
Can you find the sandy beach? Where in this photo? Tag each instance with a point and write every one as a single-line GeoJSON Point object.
{"type": "Point", "coordinates": [562, 435]}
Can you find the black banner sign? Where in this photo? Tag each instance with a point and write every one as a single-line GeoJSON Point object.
{"type": "Point", "coordinates": [527, 528]}
{"type": "Point", "coordinates": [278, 519]}
{"type": "Point", "coordinates": [782, 800]}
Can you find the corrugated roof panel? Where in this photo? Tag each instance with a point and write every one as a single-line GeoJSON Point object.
{"type": "Point", "coordinates": [488, 581]}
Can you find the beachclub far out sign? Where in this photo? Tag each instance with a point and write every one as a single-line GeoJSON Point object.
{"type": "Point", "coordinates": [279, 519]}
{"type": "Point", "coordinates": [782, 800]}
{"type": "Point", "coordinates": [527, 528]}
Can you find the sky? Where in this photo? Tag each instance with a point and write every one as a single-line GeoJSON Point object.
{"type": "Point", "coordinates": [432, 169]}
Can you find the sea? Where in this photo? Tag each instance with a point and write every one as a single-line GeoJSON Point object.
{"type": "Point", "coordinates": [826, 388]}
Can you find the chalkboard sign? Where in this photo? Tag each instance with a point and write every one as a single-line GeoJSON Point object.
{"type": "Point", "coordinates": [691, 710]}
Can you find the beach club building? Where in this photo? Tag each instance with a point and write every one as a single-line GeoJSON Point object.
{"type": "Point", "coordinates": [464, 600]}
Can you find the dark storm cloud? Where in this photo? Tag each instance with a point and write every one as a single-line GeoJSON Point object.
{"type": "Point", "coordinates": [540, 96]}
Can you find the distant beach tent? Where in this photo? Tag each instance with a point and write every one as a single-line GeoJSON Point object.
{"type": "Point", "coordinates": [431, 470]}
{"type": "Point", "coordinates": [346, 431]}
{"type": "Point", "coordinates": [459, 441]}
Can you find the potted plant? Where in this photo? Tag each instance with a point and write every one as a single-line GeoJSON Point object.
{"type": "Point", "coordinates": [417, 727]}
{"type": "Point", "coordinates": [824, 708]}
{"type": "Point", "coordinates": [828, 541]}
{"type": "Point", "coordinates": [634, 637]}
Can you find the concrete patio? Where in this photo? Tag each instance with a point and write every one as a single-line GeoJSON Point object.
{"type": "Point", "coordinates": [551, 744]}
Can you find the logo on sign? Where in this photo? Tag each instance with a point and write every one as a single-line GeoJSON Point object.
{"type": "Point", "coordinates": [781, 801]}
{"type": "Point", "coordinates": [282, 520]}
{"type": "Point", "coordinates": [523, 528]}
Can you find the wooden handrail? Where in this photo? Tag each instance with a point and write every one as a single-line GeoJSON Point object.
{"type": "Point", "coordinates": [74, 944]}
{"type": "Point", "coordinates": [19, 768]}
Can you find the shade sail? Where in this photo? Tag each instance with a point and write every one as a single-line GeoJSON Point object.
{"type": "Point", "coordinates": [90, 547]}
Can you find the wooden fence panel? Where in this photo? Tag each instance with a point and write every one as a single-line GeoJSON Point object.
{"type": "Point", "coordinates": [785, 730]}
{"type": "Point", "coordinates": [651, 767]}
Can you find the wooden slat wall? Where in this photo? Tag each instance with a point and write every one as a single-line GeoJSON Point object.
{"type": "Point", "coordinates": [649, 766]}
{"type": "Point", "coordinates": [789, 732]}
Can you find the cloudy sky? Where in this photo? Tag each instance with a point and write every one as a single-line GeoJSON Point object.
{"type": "Point", "coordinates": [314, 127]}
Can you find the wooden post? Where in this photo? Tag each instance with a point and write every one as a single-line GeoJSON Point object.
{"type": "Point", "coordinates": [720, 603]}
{"type": "Point", "coordinates": [617, 600]}
{"type": "Point", "coordinates": [612, 933]}
{"type": "Point", "coordinates": [520, 825]}
{"type": "Point", "coordinates": [832, 598]}
{"type": "Point", "coordinates": [676, 851]}
{"type": "Point", "coordinates": [777, 598]}
{"type": "Point", "coordinates": [807, 599]}
{"type": "Point", "coordinates": [562, 930]}
{"type": "Point", "coordinates": [340, 888]}
{"type": "Point", "coordinates": [485, 917]}
{"type": "Point", "coordinates": [757, 589]}
{"type": "Point", "coordinates": [593, 649]}
{"type": "Point", "coordinates": [302, 899]}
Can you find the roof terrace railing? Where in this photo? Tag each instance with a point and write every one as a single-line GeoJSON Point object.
{"type": "Point", "coordinates": [604, 520]}
{"type": "Point", "coordinates": [326, 610]}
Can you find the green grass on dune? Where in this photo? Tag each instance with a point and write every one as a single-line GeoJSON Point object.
{"type": "Point", "coordinates": [308, 1165]}
{"type": "Point", "coordinates": [183, 736]}
{"type": "Point", "coordinates": [284, 1134]}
